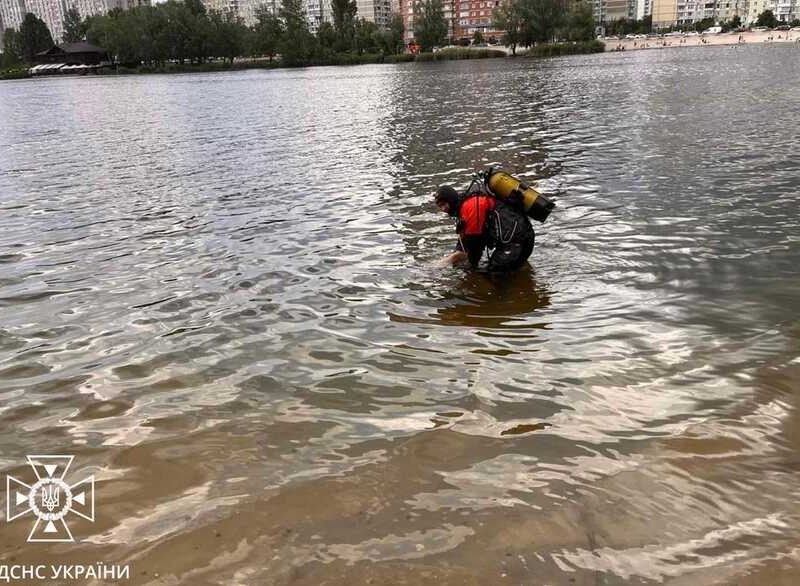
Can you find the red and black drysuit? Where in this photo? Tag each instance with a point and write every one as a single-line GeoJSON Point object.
{"type": "Point", "coordinates": [486, 222]}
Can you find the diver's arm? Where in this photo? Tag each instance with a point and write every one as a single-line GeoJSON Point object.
{"type": "Point", "coordinates": [468, 248]}
{"type": "Point", "coordinates": [473, 247]}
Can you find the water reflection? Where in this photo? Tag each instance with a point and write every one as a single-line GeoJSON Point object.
{"type": "Point", "coordinates": [483, 300]}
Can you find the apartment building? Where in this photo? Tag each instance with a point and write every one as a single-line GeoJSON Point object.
{"type": "Point", "coordinates": [52, 11]}
{"type": "Point", "coordinates": [244, 9]}
{"type": "Point", "coordinates": [464, 17]}
{"type": "Point", "coordinates": [11, 13]}
{"type": "Point", "coordinates": [473, 16]}
{"type": "Point", "coordinates": [611, 10]}
{"type": "Point", "coordinates": [405, 9]}
{"type": "Point", "coordinates": [785, 10]}
{"type": "Point", "coordinates": [644, 8]}
{"type": "Point", "coordinates": [249, 10]}
{"type": "Point", "coordinates": [222, 5]}
{"type": "Point", "coordinates": [377, 11]}
{"type": "Point", "coordinates": [754, 8]}
{"type": "Point", "coordinates": [687, 12]}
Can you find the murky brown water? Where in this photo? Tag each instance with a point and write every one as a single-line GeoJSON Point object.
{"type": "Point", "coordinates": [219, 292]}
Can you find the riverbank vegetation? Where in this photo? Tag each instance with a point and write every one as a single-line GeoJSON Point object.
{"type": "Point", "coordinates": [454, 53]}
{"type": "Point", "coordinates": [559, 49]}
{"type": "Point", "coordinates": [182, 35]}
{"type": "Point", "coordinates": [183, 32]}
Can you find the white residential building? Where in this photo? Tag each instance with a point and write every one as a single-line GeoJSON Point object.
{"type": "Point", "coordinates": [87, 7]}
{"type": "Point", "coordinates": [248, 9]}
{"type": "Point", "coordinates": [222, 5]}
{"type": "Point", "coordinates": [377, 11]}
{"type": "Point", "coordinates": [605, 11]}
{"type": "Point", "coordinates": [687, 12]}
{"type": "Point", "coordinates": [644, 8]}
{"type": "Point", "coordinates": [11, 13]}
{"type": "Point", "coordinates": [317, 12]}
{"type": "Point", "coordinates": [785, 10]}
{"type": "Point", "coordinates": [754, 8]}
{"type": "Point", "coordinates": [52, 11]}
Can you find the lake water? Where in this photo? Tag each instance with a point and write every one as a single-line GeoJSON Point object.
{"type": "Point", "coordinates": [220, 293]}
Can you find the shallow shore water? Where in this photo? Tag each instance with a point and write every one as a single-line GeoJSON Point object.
{"type": "Point", "coordinates": [219, 292]}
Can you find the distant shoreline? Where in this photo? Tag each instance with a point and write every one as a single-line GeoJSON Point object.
{"type": "Point", "coordinates": [703, 40]}
{"type": "Point", "coordinates": [453, 53]}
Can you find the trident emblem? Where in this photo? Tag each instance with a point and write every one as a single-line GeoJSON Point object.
{"type": "Point", "coordinates": [50, 498]}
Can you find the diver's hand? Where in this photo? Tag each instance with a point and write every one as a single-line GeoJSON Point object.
{"type": "Point", "coordinates": [453, 258]}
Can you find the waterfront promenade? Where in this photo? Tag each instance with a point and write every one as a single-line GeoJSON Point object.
{"type": "Point", "coordinates": [733, 38]}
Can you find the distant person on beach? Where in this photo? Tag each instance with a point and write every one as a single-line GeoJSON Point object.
{"type": "Point", "coordinates": [487, 223]}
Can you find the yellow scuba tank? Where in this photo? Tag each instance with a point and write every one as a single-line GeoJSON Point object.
{"type": "Point", "coordinates": [503, 185]}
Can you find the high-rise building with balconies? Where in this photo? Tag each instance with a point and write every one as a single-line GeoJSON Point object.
{"type": "Point", "coordinates": [786, 10]}
{"type": "Point", "coordinates": [52, 12]}
{"type": "Point", "coordinates": [605, 11]}
{"type": "Point", "coordinates": [11, 13]}
{"type": "Point", "coordinates": [686, 13]}
{"type": "Point", "coordinates": [377, 11]}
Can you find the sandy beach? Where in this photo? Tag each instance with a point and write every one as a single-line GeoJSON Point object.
{"type": "Point", "coordinates": [733, 38]}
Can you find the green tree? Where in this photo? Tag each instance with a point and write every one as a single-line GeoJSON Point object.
{"type": "Point", "coordinates": [228, 36]}
{"type": "Point", "coordinates": [344, 23]}
{"type": "Point", "coordinates": [74, 26]}
{"type": "Point", "coordinates": [151, 29]}
{"type": "Point", "coordinates": [12, 51]}
{"type": "Point", "coordinates": [174, 40]}
{"type": "Point", "coordinates": [389, 41]}
{"type": "Point", "coordinates": [703, 24]}
{"type": "Point", "coordinates": [477, 38]}
{"type": "Point", "coordinates": [767, 19]}
{"type": "Point", "coordinates": [541, 19]}
{"type": "Point", "coordinates": [188, 31]}
{"type": "Point", "coordinates": [580, 22]}
{"type": "Point", "coordinates": [430, 26]}
{"type": "Point", "coordinates": [34, 37]}
{"type": "Point", "coordinates": [297, 43]}
{"type": "Point", "coordinates": [731, 24]}
{"type": "Point", "coordinates": [326, 37]}
{"type": "Point", "coordinates": [195, 7]}
{"type": "Point", "coordinates": [508, 18]}
{"type": "Point", "coordinates": [267, 33]}
{"type": "Point", "coordinates": [364, 40]}
{"type": "Point", "coordinates": [396, 31]}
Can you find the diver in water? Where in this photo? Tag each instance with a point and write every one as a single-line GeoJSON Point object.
{"type": "Point", "coordinates": [487, 223]}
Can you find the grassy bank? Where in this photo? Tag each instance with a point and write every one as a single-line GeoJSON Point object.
{"type": "Point", "coordinates": [558, 49]}
{"type": "Point", "coordinates": [14, 73]}
{"type": "Point", "coordinates": [460, 53]}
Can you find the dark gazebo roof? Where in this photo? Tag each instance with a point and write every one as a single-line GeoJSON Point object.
{"type": "Point", "coordinates": [80, 47]}
{"type": "Point", "coordinates": [70, 48]}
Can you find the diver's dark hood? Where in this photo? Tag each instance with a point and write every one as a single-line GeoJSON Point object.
{"type": "Point", "coordinates": [451, 196]}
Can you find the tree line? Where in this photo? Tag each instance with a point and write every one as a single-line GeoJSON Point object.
{"type": "Point", "coordinates": [183, 31]}
{"type": "Point", "coordinates": [532, 22]}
